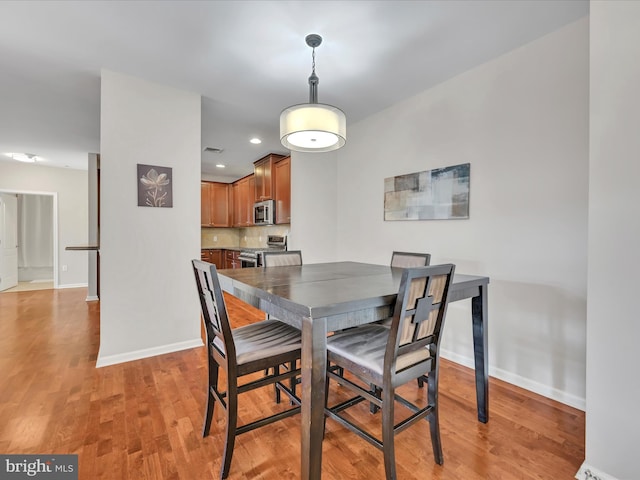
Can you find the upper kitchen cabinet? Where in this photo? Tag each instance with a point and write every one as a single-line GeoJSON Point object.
{"type": "Point", "coordinates": [243, 200]}
{"type": "Point", "coordinates": [205, 204]}
{"type": "Point", "coordinates": [282, 184]}
{"type": "Point", "coordinates": [220, 205]}
{"type": "Point", "coordinates": [263, 170]}
{"type": "Point", "coordinates": [215, 199]}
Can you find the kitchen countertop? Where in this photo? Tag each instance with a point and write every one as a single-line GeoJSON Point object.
{"type": "Point", "coordinates": [83, 247]}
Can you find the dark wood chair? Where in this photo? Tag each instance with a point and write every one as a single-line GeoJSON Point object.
{"type": "Point", "coordinates": [410, 259]}
{"type": "Point", "coordinates": [389, 358]}
{"type": "Point", "coordinates": [282, 258]}
{"type": "Point", "coordinates": [251, 349]}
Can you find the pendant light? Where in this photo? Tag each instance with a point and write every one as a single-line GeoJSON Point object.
{"type": "Point", "coordinates": [313, 126]}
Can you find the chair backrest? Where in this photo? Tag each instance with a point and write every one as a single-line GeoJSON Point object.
{"type": "Point", "coordinates": [409, 259]}
{"type": "Point", "coordinates": [214, 313]}
{"type": "Point", "coordinates": [282, 259]}
{"type": "Point", "coordinates": [418, 318]}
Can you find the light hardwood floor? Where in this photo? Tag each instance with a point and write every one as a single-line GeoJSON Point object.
{"type": "Point", "coordinates": [25, 286]}
{"type": "Point", "coordinates": [142, 420]}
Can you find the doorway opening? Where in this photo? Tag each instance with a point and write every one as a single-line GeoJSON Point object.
{"type": "Point", "coordinates": [30, 249]}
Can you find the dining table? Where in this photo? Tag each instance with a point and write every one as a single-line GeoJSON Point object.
{"type": "Point", "coordinates": [320, 298]}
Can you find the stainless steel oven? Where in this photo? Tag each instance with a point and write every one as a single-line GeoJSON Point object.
{"type": "Point", "coordinates": [248, 259]}
{"type": "Point", "coordinates": [252, 257]}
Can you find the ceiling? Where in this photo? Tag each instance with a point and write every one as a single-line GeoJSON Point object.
{"type": "Point", "coordinates": [248, 60]}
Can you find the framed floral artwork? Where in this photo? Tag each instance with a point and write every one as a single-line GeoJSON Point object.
{"type": "Point", "coordinates": [154, 186]}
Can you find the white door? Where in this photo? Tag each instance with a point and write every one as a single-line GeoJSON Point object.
{"type": "Point", "coordinates": [8, 241]}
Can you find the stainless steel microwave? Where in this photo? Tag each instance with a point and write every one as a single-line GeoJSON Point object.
{"type": "Point", "coordinates": [263, 212]}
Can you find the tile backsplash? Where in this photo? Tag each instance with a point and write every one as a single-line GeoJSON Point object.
{"type": "Point", "coordinates": [252, 237]}
{"type": "Point", "coordinates": [219, 237]}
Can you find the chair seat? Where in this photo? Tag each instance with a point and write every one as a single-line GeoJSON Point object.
{"type": "Point", "coordinates": [366, 346]}
{"type": "Point", "coordinates": [268, 338]}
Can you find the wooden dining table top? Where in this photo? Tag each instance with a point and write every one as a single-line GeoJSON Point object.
{"type": "Point", "coordinates": [326, 289]}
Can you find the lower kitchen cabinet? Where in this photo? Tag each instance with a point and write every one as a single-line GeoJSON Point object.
{"type": "Point", "coordinates": [232, 259]}
{"type": "Point", "coordinates": [213, 255]}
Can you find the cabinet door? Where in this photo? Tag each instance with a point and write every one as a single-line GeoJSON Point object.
{"type": "Point", "coordinates": [243, 202]}
{"type": "Point", "coordinates": [282, 174]}
{"type": "Point", "coordinates": [263, 170]}
{"type": "Point", "coordinates": [243, 198]}
{"type": "Point", "coordinates": [228, 258]}
{"type": "Point", "coordinates": [231, 259]}
{"type": "Point", "coordinates": [251, 188]}
{"type": "Point", "coordinates": [216, 258]}
{"type": "Point", "coordinates": [205, 204]}
{"type": "Point", "coordinates": [237, 204]}
{"type": "Point", "coordinates": [258, 172]}
{"type": "Point", "coordinates": [220, 214]}
{"type": "Point", "coordinates": [263, 177]}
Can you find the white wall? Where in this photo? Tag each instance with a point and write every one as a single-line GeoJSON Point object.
{"type": "Point", "coordinates": [521, 121]}
{"type": "Point", "coordinates": [148, 299]}
{"type": "Point", "coordinates": [71, 188]}
{"type": "Point", "coordinates": [613, 389]}
{"type": "Point", "coordinates": [314, 206]}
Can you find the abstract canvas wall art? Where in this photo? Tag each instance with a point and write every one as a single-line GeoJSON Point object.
{"type": "Point", "coordinates": [439, 194]}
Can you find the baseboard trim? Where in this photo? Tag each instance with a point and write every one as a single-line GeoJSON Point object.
{"type": "Point", "coordinates": [587, 472]}
{"type": "Point", "coordinates": [522, 382]}
{"type": "Point", "coordinates": [104, 361]}
{"type": "Point", "coordinates": [74, 285]}
{"type": "Point", "coordinates": [92, 298]}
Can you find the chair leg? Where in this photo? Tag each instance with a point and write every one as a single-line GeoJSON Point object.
{"type": "Point", "coordinates": [276, 371]}
{"type": "Point", "coordinates": [213, 383]}
{"type": "Point", "coordinates": [387, 433]}
{"type": "Point", "coordinates": [293, 382]}
{"type": "Point", "coordinates": [434, 424]}
{"type": "Point", "coordinates": [373, 408]}
{"type": "Point", "coordinates": [326, 405]}
{"type": "Point", "coordinates": [232, 423]}
{"type": "Point", "coordinates": [420, 382]}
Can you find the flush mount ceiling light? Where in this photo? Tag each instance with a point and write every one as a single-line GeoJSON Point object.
{"type": "Point", "coordinates": [255, 141]}
{"type": "Point", "coordinates": [25, 157]}
{"type": "Point", "coordinates": [313, 126]}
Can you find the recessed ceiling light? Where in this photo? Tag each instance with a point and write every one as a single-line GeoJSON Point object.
{"type": "Point", "coordinates": [255, 141]}
{"type": "Point", "coordinates": [219, 165]}
{"type": "Point", "coordinates": [25, 157]}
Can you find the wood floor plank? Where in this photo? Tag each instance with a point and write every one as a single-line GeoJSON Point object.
{"type": "Point", "coordinates": [142, 420]}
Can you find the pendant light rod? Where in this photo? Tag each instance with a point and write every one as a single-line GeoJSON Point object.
{"type": "Point", "coordinates": [313, 40]}
{"type": "Point", "coordinates": [313, 88]}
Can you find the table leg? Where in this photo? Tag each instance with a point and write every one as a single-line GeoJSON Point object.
{"type": "Point", "coordinates": [314, 364]}
{"type": "Point", "coordinates": [481, 352]}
